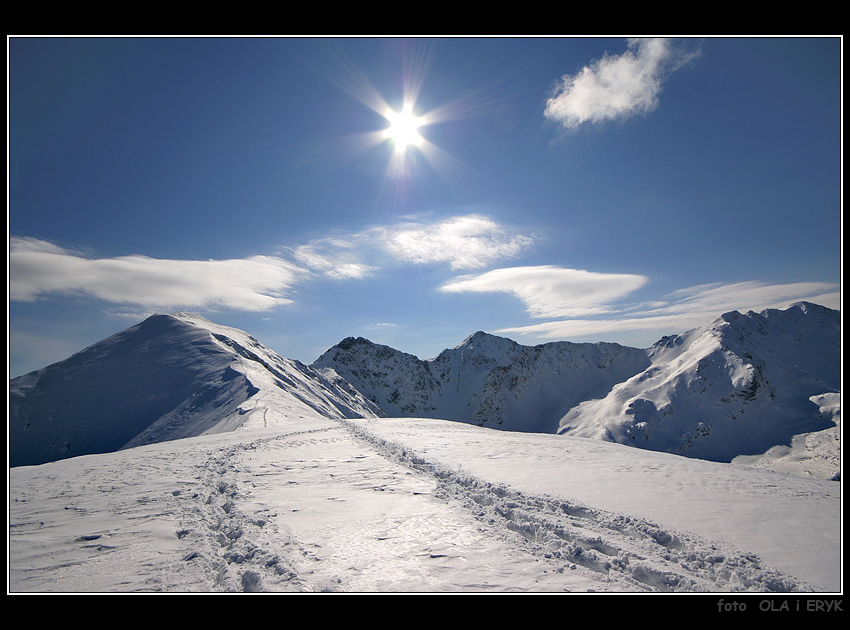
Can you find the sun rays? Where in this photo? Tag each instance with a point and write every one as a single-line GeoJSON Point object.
{"type": "Point", "coordinates": [400, 129]}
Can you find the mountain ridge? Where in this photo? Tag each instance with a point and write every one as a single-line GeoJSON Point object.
{"type": "Point", "coordinates": [738, 385]}
{"type": "Point", "coordinates": [170, 376]}
{"type": "Point", "coordinates": [704, 393]}
{"type": "Point", "coordinates": [487, 380]}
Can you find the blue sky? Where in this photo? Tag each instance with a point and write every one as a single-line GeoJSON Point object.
{"type": "Point", "coordinates": [584, 189]}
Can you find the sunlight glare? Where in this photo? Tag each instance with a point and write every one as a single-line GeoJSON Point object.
{"type": "Point", "coordinates": [404, 128]}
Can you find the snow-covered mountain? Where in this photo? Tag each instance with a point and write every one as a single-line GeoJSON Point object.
{"type": "Point", "coordinates": [169, 377]}
{"type": "Point", "coordinates": [743, 385]}
{"type": "Point", "coordinates": [738, 385]}
{"type": "Point", "coordinates": [294, 481]}
{"type": "Point", "coordinates": [486, 380]}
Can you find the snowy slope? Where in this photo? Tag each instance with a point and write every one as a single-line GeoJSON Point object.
{"type": "Point", "coordinates": [406, 505]}
{"type": "Point", "coordinates": [170, 376]}
{"type": "Point", "coordinates": [816, 454]}
{"type": "Point", "coordinates": [739, 385]}
{"type": "Point", "coordinates": [486, 380]}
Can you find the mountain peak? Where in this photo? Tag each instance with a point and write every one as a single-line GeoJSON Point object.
{"type": "Point", "coordinates": [809, 306]}
{"type": "Point", "coordinates": [167, 377]}
{"type": "Point", "coordinates": [350, 342]}
{"type": "Point", "coordinates": [481, 339]}
{"type": "Point", "coordinates": [478, 336]}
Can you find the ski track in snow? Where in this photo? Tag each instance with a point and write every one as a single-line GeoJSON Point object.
{"type": "Point", "coordinates": [329, 506]}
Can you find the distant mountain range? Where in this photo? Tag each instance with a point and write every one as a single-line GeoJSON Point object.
{"type": "Point", "coordinates": [486, 380]}
{"type": "Point", "coordinates": [738, 385]}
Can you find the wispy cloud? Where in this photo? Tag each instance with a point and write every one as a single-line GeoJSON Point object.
{"type": "Point", "coordinates": [38, 269]}
{"type": "Point", "coordinates": [463, 242]}
{"type": "Point", "coordinates": [550, 291]}
{"type": "Point", "coordinates": [686, 309]}
{"type": "Point", "coordinates": [340, 258]}
{"type": "Point", "coordinates": [616, 86]}
{"type": "Point", "coordinates": [743, 296]}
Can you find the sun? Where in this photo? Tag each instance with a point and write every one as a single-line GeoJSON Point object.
{"type": "Point", "coordinates": [404, 128]}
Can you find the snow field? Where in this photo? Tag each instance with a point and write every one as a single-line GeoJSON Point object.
{"type": "Point", "coordinates": [366, 505]}
{"type": "Point", "coordinates": [627, 553]}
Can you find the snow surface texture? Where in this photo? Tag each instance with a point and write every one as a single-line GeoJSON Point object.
{"type": "Point", "coordinates": [289, 479]}
{"type": "Point", "coordinates": [411, 505]}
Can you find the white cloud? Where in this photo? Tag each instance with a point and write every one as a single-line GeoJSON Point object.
{"type": "Point", "coordinates": [38, 268]}
{"type": "Point", "coordinates": [463, 242]}
{"type": "Point", "coordinates": [550, 291]}
{"type": "Point", "coordinates": [337, 258]}
{"type": "Point", "coordinates": [688, 308]}
{"type": "Point", "coordinates": [467, 242]}
{"type": "Point", "coordinates": [616, 86]}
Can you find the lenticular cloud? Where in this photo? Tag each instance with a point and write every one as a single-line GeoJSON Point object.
{"type": "Point", "coordinates": [551, 291]}
{"type": "Point", "coordinates": [38, 268]}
